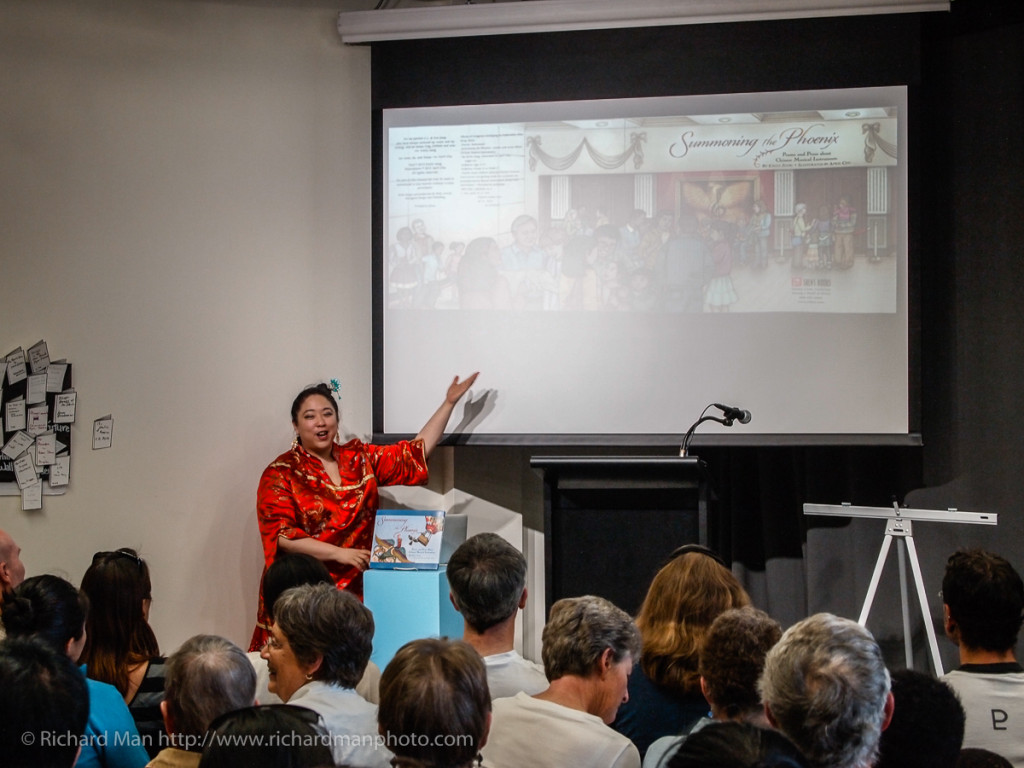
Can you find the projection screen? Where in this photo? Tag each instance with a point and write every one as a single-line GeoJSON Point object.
{"type": "Point", "coordinates": [612, 267]}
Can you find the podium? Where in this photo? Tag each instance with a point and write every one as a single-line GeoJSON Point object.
{"type": "Point", "coordinates": [610, 522]}
{"type": "Point", "coordinates": [408, 605]}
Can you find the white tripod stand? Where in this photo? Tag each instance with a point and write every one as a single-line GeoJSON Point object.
{"type": "Point", "coordinates": [900, 527]}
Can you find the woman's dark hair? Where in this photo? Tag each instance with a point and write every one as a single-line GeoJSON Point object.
{"type": "Point", "coordinates": [47, 608]}
{"type": "Point", "coordinates": [42, 693]}
{"type": "Point", "coordinates": [118, 635]}
{"type": "Point", "coordinates": [437, 688]}
{"type": "Point", "coordinates": [291, 569]}
{"type": "Point", "coordinates": [732, 659]}
{"type": "Point", "coordinates": [320, 389]}
{"type": "Point", "coordinates": [275, 736]}
{"type": "Point", "coordinates": [737, 745]}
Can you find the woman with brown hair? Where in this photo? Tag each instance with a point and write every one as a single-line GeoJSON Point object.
{"type": "Point", "coordinates": [121, 648]}
{"type": "Point", "coordinates": [684, 598]}
{"type": "Point", "coordinates": [436, 689]}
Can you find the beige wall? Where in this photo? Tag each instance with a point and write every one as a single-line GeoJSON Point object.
{"type": "Point", "coordinates": [184, 215]}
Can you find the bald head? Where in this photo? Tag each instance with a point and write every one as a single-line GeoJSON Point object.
{"type": "Point", "coordinates": [12, 570]}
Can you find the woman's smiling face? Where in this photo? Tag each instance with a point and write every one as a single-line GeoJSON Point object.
{"type": "Point", "coordinates": [317, 425]}
{"type": "Point", "coordinates": [287, 675]}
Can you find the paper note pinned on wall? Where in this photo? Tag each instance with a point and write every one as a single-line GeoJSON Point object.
{"type": "Point", "coordinates": [60, 472]}
{"type": "Point", "coordinates": [32, 497]}
{"type": "Point", "coordinates": [16, 446]}
{"type": "Point", "coordinates": [15, 415]}
{"type": "Point", "coordinates": [38, 357]}
{"type": "Point", "coordinates": [55, 376]}
{"type": "Point", "coordinates": [25, 471]}
{"type": "Point", "coordinates": [37, 415]}
{"type": "Point", "coordinates": [102, 432]}
{"type": "Point", "coordinates": [16, 369]}
{"type": "Point", "coordinates": [64, 407]}
{"type": "Point", "coordinates": [46, 449]}
{"type": "Point", "coordinates": [36, 390]}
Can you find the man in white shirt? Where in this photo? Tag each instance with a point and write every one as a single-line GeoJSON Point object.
{"type": "Point", "coordinates": [982, 609]}
{"type": "Point", "coordinates": [487, 579]}
{"type": "Point", "coordinates": [588, 647]}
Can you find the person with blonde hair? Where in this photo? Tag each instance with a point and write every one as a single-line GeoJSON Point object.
{"type": "Point", "coordinates": [684, 598]}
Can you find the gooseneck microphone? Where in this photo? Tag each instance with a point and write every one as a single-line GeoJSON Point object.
{"type": "Point", "coordinates": [737, 414]}
{"type": "Point", "coordinates": [730, 415]}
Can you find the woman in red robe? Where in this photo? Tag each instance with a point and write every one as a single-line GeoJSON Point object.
{"type": "Point", "coordinates": [320, 497]}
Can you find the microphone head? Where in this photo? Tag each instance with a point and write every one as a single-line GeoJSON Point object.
{"type": "Point", "coordinates": [744, 417]}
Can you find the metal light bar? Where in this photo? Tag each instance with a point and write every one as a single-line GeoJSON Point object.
{"type": "Point", "coordinates": [883, 513]}
{"type": "Point", "coordinates": [569, 15]}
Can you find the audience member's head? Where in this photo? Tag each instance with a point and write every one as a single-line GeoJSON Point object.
{"type": "Point", "coordinates": [591, 639]}
{"type": "Point", "coordinates": [319, 633]}
{"type": "Point", "coordinates": [205, 678]}
{"type": "Point", "coordinates": [50, 609]}
{"type": "Point", "coordinates": [437, 688]}
{"type": "Point", "coordinates": [973, 757]}
{"type": "Point", "coordinates": [685, 596]}
{"type": "Point", "coordinates": [291, 569]}
{"type": "Point", "coordinates": [983, 600]}
{"type": "Point", "coordinates": [737, 745]}
{"type": "Point", "coordinates": [275, 736]}
{"type": "Point", "coordinates": [927, 727]}
{"type": "Point", "coordinates": [826, 687]}
{"type": "Point", "coordinates": [41, 692]}
{"type": "Point", "coordinates": [487, 578]}
{"type": "Point", "coordinates": [732, 661]}
{"type": "Point", "coordinates": [118, 633]}
{"type": "Point", "coordinates": [12, 570]}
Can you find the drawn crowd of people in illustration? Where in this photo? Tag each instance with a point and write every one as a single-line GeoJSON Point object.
{"type": "Point", "coordinates": [585, 261]}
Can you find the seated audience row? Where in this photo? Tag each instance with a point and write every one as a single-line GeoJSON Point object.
{"type": "Point", "coordinates": [818, 694]}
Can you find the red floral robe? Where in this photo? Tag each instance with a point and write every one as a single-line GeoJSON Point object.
{"type": "Point", "coordinates": [297, 499]}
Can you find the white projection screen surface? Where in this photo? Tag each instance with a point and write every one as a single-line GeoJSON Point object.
{"type": "Point", "coordinates": [612, 267]}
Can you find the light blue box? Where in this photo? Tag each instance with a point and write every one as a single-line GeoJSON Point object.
{"type": "Point", "coordinates": [408, 605]}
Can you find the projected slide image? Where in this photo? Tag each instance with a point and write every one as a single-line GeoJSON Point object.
{"type": "Point", "coordinates": [796, 210]}
{"type": "Point", "coordinates": [611, 267]}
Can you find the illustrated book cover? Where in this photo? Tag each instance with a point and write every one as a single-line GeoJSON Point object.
{"type": "Point", "coordinates": [407, 539]}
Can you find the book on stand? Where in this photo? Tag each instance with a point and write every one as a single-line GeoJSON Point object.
{"type": "Point", "coordinates": [407, 539]}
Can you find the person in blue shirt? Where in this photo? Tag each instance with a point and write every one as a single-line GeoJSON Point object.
{"type": "Point", "coordinates": [52, 610]}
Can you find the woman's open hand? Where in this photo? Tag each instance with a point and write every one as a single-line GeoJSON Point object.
{"type": "Point", "coordinates": [458, 388]}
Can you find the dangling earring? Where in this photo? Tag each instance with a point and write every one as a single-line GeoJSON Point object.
{"type": "Point", "coordinates": [295, 440]}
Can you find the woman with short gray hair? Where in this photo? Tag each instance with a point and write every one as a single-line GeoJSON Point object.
{"type": "Point", "coordinates": [588, 648]}
{"type": "Point", "coordinates": [320, 642]}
